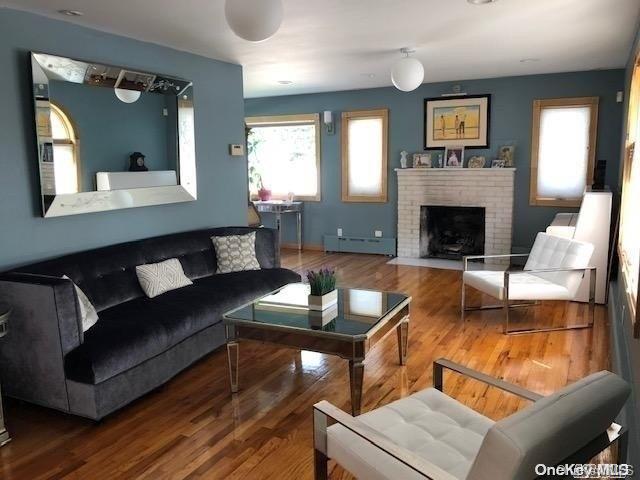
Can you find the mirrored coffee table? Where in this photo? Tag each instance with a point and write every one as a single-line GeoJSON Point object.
{"type": "Point", "coordinates": [349, 329]}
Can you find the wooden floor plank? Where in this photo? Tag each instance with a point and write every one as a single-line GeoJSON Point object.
{"type": "Point", "coordinates": [192, 428]}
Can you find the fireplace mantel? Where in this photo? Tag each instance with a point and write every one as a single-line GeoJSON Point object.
{"type": "Point", "coordinates": [491, 188]}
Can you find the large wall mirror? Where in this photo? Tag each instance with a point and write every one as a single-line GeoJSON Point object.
{"type": "Point", "coordinates": [111, 137]}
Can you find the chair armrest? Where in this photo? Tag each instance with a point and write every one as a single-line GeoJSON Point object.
{"type": "Point", "coordinates": [552, 270]}
{"type": "Point", "coordinates": [440, 364]}
{"type": "Point", "coordinates": [466, 258]}
{"type": "Point", "coordinates": [326, 410]}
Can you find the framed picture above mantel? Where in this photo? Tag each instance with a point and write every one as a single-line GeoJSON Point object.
{"type": "Point", "coordinates": [460, 120]}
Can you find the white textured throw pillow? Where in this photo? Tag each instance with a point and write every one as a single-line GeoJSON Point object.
{"type": "Point", "coordinates": [88, 312]}
{"type": "Point", "coordinates": [236, 253]}
{"type": "Point", "coordinates": [158, 278]}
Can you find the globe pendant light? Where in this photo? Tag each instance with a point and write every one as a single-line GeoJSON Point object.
{"type": "Point", "coordinates": [127, 96]}
{"type": "Point", "coordinates": [408, 73]}
{"type": "Point", "coordinates": [254, 20]}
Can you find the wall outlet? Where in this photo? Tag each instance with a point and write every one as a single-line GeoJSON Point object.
{"type": "Point", "coordinates": [339, 232]}
{"type": "Point", "coordinates": [378, 233]}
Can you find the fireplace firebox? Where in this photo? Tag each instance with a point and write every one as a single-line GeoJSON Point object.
{"type": "Point", "coordinates": [451, 232]}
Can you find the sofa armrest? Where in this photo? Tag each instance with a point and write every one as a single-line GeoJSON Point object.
{"type": "Point", "coordinates": [44, 326]}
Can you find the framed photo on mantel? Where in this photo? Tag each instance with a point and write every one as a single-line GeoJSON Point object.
{"type": "Point", "coordinates": [460, 120]}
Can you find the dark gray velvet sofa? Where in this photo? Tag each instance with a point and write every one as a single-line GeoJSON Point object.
{"type": "Point", "coordinates": [138, 343]}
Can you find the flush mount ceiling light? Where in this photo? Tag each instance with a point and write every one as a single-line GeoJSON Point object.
{"type": "Point", "coordinates": [254, 20]}
{"type": "Point", "coordinates": [481, 2]}
{"type": "Point", "coordinates": [408, 73]}
{"type": "Point", "coordinates": [127, 96]}
{"type": "Point", "coordinates": [529, 60]}
{"type": "Point", "coordinates": [285, 82]}
{"type": "Point", "coordinates": [71, 13]}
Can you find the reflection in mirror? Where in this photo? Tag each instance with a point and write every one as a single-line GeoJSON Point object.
{"type": "Point", "coordinates": [110, 137]}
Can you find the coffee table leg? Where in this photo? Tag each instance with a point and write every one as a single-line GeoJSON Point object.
{"type": "Point", "coordinates": [356, 375]}
{"type": "Point", "coordinates": [232, 354]}
{"type": "Point", "coordinates": [403, 340]}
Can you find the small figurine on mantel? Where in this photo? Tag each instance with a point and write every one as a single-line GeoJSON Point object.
{"type": "Point", "coordinates": [136, 162]}
{"type": "Point", "coordinates": [403, 158]}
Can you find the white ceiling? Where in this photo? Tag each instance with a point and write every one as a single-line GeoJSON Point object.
{"type": "Point", "coordinates": [348, 44]}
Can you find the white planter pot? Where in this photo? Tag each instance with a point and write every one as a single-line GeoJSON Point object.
{"type": "Point", "coordinates": [319, 303]}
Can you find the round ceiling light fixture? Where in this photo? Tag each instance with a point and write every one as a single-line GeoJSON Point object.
{"type": "Point", "coordinates": [127, 96]}
{"type": "Point", "coordinates": [285, 82]}
{"type": "Point", "coordinates": [254, 20]}
{"type": "Point", "coordinates": [481, 2]}
{"type": "Point", "coordinates": [408, 73]}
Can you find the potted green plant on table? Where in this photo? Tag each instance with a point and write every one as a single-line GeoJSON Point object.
{"type": "Point", "coordinates": [323, 289]}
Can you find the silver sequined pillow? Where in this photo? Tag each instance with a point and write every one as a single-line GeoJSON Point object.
{"type": "Point", "coordinates": [158, 278]}
{"type": "Point", "coordinates": [236, 253]}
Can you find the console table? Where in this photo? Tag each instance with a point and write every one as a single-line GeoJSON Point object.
{"type": "Point", "coordinates": [280, 207]}
{"type": "Point", "coordinates": [5, 312]}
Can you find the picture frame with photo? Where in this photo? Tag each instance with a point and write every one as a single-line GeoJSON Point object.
{"type": "Point", "coordinates": [422, 160]}
{"type": "Point", "coordinates": [461, 120]}
{"type": "Point", "coordinates": [453, 157]}
{"type": "Point", "coordinates": [498, 163]}
{"type": "Point", "coordinates": [506, 153]}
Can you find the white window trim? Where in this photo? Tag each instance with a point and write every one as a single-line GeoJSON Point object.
{"type": "Point", "coordinates": [297, 119]}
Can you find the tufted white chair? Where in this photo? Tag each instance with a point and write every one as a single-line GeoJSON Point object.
{"type": "Point", "coordinates": [431, 435]}
{"type": "Point", "coordinates": [554, 270]}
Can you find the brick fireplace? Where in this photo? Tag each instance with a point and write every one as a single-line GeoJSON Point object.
{"type": "Point", "coordinates": [488, 188]}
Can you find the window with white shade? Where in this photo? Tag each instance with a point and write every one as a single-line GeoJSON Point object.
{"type": "Point", "coordinates": [364, 156]}
{"type": "Point", "coordinates": [65, 152]}
{"type": "Point", "coordinates": [562, 150]}
{"type": "Point", "coordinates": [283, 153]}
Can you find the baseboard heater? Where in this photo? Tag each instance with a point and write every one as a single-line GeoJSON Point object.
{"type": "Point", "coordinates": [380, 246]}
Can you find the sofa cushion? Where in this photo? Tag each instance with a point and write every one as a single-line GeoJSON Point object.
{"type": "Point", "coordinates": [429, 424]}
{"type": "Point", "coordinates": [134, 331]}
{"type": "Point", "coordinates": [158, 278]}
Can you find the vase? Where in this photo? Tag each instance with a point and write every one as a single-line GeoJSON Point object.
{"type": "Point", "coordinates": [264, 194]}
{"type": "Point", "coordinates": [322, 302]}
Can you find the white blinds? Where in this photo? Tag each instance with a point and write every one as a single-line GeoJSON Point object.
{"type": "Point", "coordinates": [365, 152]}
{"type": "Point", "coordinates": [563, 154]}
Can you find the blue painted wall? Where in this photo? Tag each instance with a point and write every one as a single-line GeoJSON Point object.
{"type": "Point", "coordinates": [99, 117]}
{"type": "Point", "coordinates": [219, 111]}
{"type": "Point", "coordinates": [511, 111]}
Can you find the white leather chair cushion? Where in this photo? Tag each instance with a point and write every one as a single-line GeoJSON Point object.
{"type": "Point", "coordinates": [522, 286]}
{"type": "Point", "coordinates": [550, 251]}
{"type": "Point", "coordinates": [428, 423]}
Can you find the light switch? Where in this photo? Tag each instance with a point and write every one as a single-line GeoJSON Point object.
{"type": "Point", "coordinates": [236, 150]}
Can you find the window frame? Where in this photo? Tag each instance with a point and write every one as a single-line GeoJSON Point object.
{"type": "Point", "coordinates": [292, 120]}
{"type": "Point", "coordinates": [73, 140]}
{"type": "Point", "coordinates": [382, 113]}
{"type": "Point", "coordinates": [631, 143]}
{"type": "Point", "coordinates": [538, 106]}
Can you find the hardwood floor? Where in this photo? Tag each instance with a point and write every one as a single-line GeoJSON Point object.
{"type": "Point", "coordinates": [192, 428]}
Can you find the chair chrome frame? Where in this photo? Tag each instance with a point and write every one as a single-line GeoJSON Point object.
{"type": "Point", "coordinates": [506, 305]}
{"type": "Point", "coordinates": [324, 412]}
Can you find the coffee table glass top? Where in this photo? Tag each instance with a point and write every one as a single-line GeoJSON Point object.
{"type": "Point", "coordinates": [356, 312]}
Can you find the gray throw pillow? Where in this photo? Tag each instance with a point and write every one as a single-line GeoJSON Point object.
{"type": "Point", "coordinates": [158, 278]}
{"type": "Point", "coordinates": [236, 253]}
{"type": "Point", "coordinates": [88, 313]}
